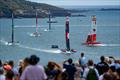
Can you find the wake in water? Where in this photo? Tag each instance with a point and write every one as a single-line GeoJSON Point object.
{"type": "Point", "coordinates": [8, 43]}
{"type": "Point", "coordinates": [38, 49]}
{"type": "Point", "coordinates": [106, 45]}
{"type": "Point", "coordinates": [57, 51]}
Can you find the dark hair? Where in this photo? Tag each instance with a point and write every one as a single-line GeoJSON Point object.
{"type": "Point", "coordinates": [82, 54]}
{"type": "Point", "coordinates": [27, 59]}
{"type": "Point", "coordinates": [102, 58]}
{"type": "Point", "coordinates": [11, 63]}
{"type": "Point", "coordinates": [70, 60]}
{"type": "Point", "coordinates": [33, 60]}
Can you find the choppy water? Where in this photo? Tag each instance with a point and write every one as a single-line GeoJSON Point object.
{"type": "Point", "coordinates": [108, 32]}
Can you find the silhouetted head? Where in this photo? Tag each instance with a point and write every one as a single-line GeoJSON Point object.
{"type": "Point", "coordinates": [11, 63]}
{"type": "Point", "coordinates": [82, 54]}
{"type": "Point", "coordinates": [102, 58]}
{"type": "Point", "coordinates": [33, 60]}
{"type": "Point", "coordinates": [70, 60]}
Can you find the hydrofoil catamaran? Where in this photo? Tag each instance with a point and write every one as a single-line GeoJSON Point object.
{"type": "Point", "coordinates": [12, 42]}
{"type": "Point", "coordinates": [67, 50]}
{"type": "Point", "coordinates": [36, 34]}
{"type": "Point", "coordinates": [50, 21]}
{"type": "Point", "coordinates": [92, 37]}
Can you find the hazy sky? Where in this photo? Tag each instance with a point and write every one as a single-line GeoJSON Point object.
{"type": "Point", "coordinates": [79, 2]}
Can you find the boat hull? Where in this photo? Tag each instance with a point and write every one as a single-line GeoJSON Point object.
{"type": "Point", "coordinates": [93, 44]}
{"type": "Point", "coordinates": [65, 51]}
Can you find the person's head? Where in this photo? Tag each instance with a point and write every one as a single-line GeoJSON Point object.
{"type": "Point", "coordinates": [107, 77]}
{"type": "Point", "coordinates": [112, 68]}
{"type": "Point", "coordinates": [90, 62]}
{"type": "Point", "coordinates": [70, 60]}
{"type": "Point", "coordinates": [50, 65]}
{"type": "Point", "coordinates": [33, 60]}
{"type": "Point", "coordinates": [26, 61]}
{"type": "Point", "coordinates": [11, 63]}
{"type": "Point", "coordinates": [20, 63]}
{"type": "Point", "coordinates": [102, 58]}
{"type": "Point", "coordinates": [82, 54]}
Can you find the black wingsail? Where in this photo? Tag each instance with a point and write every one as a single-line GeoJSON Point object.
{"type": "Point", "coordinates": [67, 34]}
{"type": "Point", "coordinates": [12, 28]}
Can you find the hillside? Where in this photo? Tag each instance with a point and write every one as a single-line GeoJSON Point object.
{"type": "Point", "coordinates": [23, 8]}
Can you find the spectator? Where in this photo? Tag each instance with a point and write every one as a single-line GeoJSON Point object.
{"type": "Point", "coordinates": [112, 72]}
{"type": "Point", "coordinates": [33, 71]}
{"type": "Point", "coordinates": [107, 77]}
{"type": "Point", "coordinates": [15, 70]}
{"type": "Point", "coordinates": [24, 64]}
{"type": "Point", "coordinates": [78, 71]}
{"type": "Point", "coordinates": [53, 70]}
{"type": "Point", "coordinates": [105, 71]}
{"type": "Point", "coordinates": [118, 73]}
{"type": "Point", "coordinates": [82, 62]}
{"type": "Point", "coordinates": [90, 72]}
{"type": "Point", "coordinates": [101, 65]}
{"type": "Point", "coordinates": [70, 68]}
{"type": "Point", "coordinates": [9, 75]}
{"type": "Point", "coordinates": [2, 77]}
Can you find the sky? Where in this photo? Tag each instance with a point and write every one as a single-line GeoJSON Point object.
{"type": "Point", "coordinates": [78, 2]}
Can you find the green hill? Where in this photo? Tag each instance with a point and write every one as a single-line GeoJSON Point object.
{"type": "Point", "coordinates": [22, 8]}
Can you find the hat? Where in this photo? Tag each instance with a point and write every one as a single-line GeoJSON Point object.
{"type": "Point", "coordinates": [33, 60]}
{"type": "Point", "coordinates": [7, 67]}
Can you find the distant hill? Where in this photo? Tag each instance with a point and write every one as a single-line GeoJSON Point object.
{"type": "Point", "coordinates": [23, 8]}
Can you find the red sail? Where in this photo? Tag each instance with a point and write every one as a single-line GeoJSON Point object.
{"type": "Point", "coordinates": [93, 36]}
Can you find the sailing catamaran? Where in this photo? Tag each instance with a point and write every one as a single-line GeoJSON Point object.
{"type": "Point", "coordinates": [12, 42]}
{"type": "Point", "coordinates": [50, 21]}
{"type": "Point", "coordinates": [36, 34]}
{"type": "Point", "coordinates": [67, 50]}
{"type": "Point", "coordinates": [92, 37]}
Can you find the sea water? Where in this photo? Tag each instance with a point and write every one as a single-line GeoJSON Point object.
{"type": "Point", "coordinates": [108, 32]}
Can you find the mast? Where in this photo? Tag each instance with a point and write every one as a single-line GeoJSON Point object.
{"type": "Point", "coordinates": [93, 31]}
{"type": "Point", "coordinates": [12, 27]}
{"type": "Point", "coordinates": [36, 22]}
{"type": "Point", "coordinates": [67, 34]}
{"type": "Point", "coordinates": [49, 21]}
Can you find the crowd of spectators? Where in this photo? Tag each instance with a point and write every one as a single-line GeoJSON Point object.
{"type": "Point", "coordinates": [29, 69]}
